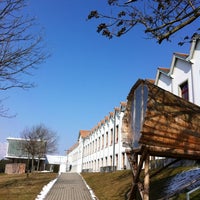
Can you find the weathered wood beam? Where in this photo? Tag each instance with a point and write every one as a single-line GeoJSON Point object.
{"type": "Point", "coordinates": [172, 124]}
{"type": "Point", "coordinates": [184, 135]}
{"type": "Point", "coordinates": [174, 153]}
{"type": "Point", "coordinates": [134, 187]}
{"type": "Point", "coordinates": [168, 142]}
{"type": "Point", "coordinates": [146, 178]}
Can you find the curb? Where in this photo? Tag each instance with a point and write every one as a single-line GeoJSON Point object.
{"type": "Point", "coordinates": [45, 190]}
{"type": "Point", "coordinates": [90, 190]}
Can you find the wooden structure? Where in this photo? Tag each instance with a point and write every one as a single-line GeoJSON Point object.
{"type": "Point", "coordinates": [158, 123]}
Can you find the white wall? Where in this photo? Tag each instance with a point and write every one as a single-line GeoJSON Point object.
{"type": "Point", "coordinates": [183, 69]}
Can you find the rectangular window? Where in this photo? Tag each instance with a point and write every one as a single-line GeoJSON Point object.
{"type": "Point", "coordinates": [111, 136]}
{"type": "Point", "coordinates": [117, 134]}
{"type": "Point", "coordinates": [95, 145]}
{"type": "Point", "coordinates": [111, 160]}
{"type": "Point", "coordinates": [99, 143]}
{"type": "Point", "coordinates": [123, 161]}
{"type": "Point", "coordinates": [116, 160]}
{"type": "Point", "coordinates": [102, 141]}
{"type": "Point", "coordinates": [106, 139]}
{"type": "Point", "coordinates": [184, 91]}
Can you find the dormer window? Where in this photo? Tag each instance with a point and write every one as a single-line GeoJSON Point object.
{"type": "Point", "coordinates": [184, 91]}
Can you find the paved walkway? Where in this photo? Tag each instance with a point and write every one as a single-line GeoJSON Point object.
{"type": "Point", "coordinates": [69, 186]}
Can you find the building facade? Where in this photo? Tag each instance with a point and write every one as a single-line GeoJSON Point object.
{"type": "Point", "coordinates": [182, 78]}
{"type": "Point", "coordinates": [17, 153]}
{"type": "Point", "coordinates": [101, 149]}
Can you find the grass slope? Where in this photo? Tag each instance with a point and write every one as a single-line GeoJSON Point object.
{"type": "Point", "coordinates": [19, 187]}
{"type": "Point", "coordinates": [114, 185]}
{"type": "Point", "coordinates": [109, 186]}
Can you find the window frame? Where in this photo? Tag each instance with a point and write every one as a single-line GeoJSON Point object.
{"type": "Point", "coordinates": [184, 92]}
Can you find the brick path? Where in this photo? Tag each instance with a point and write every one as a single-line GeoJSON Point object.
{"type": "Point", "coordinates": [69, 186]}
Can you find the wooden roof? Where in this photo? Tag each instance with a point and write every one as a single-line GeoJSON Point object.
{"type": "Point", "coordinates": [170, 125]}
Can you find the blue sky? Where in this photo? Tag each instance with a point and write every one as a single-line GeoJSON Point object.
{"type": "Point", "coordinates": [87, 74]}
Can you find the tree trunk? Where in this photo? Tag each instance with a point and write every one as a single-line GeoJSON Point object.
{"type": "Point", "coordinates": [27, 168]}
{"type": "Point", "coordinates": [146, 178]}
{"type": "Point", "coordinates": [38, 164]}
{"type": "Point", "coordinates": [32, 164]}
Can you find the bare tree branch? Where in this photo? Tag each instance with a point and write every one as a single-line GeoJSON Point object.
{"type": "Point", "coordinates": [39, 141]}
{"type": "Point", "coordinates": [21, 45]}
{"type": "Point", "coordinates": [161, 18]}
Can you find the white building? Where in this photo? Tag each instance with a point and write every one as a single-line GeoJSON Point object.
{"type": "Point", "coordinates": [183, 76]}
{"type": "Point", "coordinates": [57, 160]}
{"type": "Point", "coordinates": [101, 148]}
{"type": "Point", "coordinates": [17, 153]}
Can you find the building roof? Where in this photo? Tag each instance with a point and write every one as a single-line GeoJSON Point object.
{"type": "Point", "coordinates": [84, 133]}
{"type": "Point", "coordinates": [56, 160]}
{"type": "Point", "coordinates": [123, 103]}
{"type": "Point", "coordinates": [72, 148]}
{"type": "Point", "coordinates": [164, 70]}
{"type": "Point", "coordinates": [183, 56]}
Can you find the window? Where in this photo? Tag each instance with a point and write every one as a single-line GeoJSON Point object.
{"type": "Point", "coordinates": [102, 141]}
{"type": "Point", "coordinates": [111, 136]}
{"type": "Point", "coordinates": [98, 164]}
{"type": "Point", "coordinates": [117, 134]}
{"type": "Point", "coordinates": [116, 160]}
{"type": "Point", "coordinates": [106, 139]}
{"type": "Point", "coordinates": [123, 160]}
{"type": "Point", "coordinates": [111, 160]}
{"type": "Point", "coordinates": [95, 145]}
{"type": "Point", "coordinates": [99, 143]}
{"type": "Point", "coordinates": [184, 92]}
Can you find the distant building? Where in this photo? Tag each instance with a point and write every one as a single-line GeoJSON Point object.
{"type": "Point", "coordinates": [62, 161]}
{"type": "Point", "coordinates": [15, 149]}
{"type": "Point", "coordinates": [17, 154]}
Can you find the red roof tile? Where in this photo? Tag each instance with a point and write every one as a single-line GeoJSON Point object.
{"type": "Point", "coordinates": [165, 70]}
{"type": "Point", "coordinates": [84, 133]}
{"type": "Point", "coordinates": [183, 55]}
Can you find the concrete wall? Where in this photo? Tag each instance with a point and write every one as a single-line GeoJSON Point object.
{"type": "Point", "coordinates": [15, 168]}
